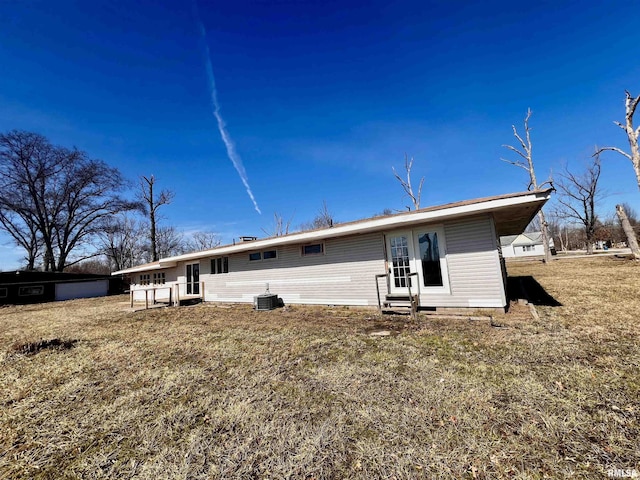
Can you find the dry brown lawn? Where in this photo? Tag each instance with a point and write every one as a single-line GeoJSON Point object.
{"type": "Point", "coordinates": [306, 393]}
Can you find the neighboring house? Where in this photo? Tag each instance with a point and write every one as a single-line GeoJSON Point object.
{"type": "Point", "coordinates": [524, 245]}
{"type": "Point", "coordinates": [22, 287]}
{"type": "Point", "coordinates": [448, 255]}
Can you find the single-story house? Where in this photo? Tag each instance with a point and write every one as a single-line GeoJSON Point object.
{"type": "Point", "coordinates": [448, 256]}
{"type": "Point", "coordinates": [524, 245]}
{"type": "Point", "coordinates": [21, 287]}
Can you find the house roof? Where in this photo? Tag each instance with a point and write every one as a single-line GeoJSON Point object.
{"type": "Point", "coordinates": [529, 238]}
{"type": "Point", "coordinates": [511, 213]}
{"type": "Point", "coordinates": [17, 277]}
{"type": "Point", "coordinates": [507, 240]}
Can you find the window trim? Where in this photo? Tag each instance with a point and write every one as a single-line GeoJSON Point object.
{"type": "Point", "coordinates": [275, 254]}
{"type": "Point", "coordinates": [222, 262]}
{"type": "Point", "coordinates": [159, 278]}
{"type": "Point", "coordinates": [145, 279]}
{"type": "Point", "coordinates": [260, 255]}
{"type": "Point", "coordinates": [6, 292]}
{"type": "Point", "coordinates": [38, 287]}
{"type": "Point", "coordinates": [313, 254]}
{"type": "Point", "coordinates": [444, 261]}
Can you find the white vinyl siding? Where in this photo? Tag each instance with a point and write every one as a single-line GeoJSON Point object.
{"type": "Point", "coordinates": [475, 274]}
{"type": "Point", "coordinates": [161, 291]}
{"type": "Point", "coordinates": [344, 275]}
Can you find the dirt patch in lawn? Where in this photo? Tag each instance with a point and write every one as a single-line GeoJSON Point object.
{"type": "Point", "coordinates": [31, 348]}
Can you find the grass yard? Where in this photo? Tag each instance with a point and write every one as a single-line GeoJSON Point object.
{"type": "Point", "coordinates": [306, 393]}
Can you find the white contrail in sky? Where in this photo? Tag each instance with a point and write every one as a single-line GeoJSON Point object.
{"type": "Point", "coordinates": [226, 138]}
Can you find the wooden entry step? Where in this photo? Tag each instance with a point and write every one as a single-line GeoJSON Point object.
{"type": "Point", "coordinates": [394, 302]}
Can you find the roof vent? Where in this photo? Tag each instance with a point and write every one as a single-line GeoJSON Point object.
{"type": "Point", "coordinates": [248, 239]}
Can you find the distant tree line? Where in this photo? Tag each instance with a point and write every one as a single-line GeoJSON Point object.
{"type": "Point", "coordinates": [607, 231]}
{"type": "Point", "coordinates": [69, 211]}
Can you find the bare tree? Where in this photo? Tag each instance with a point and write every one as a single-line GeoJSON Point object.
{"type": "Point", "coordinates": [558, 232]}
{"type": "Point", "coordinates": [280, 226]}
{"type": "Point", "coordinates": [631, 104]}
{"type": "Point", "coordinates": [632, 215]}
{"type": "Point", "coordinates": [577, 198]}
{"type": "Point", "coordinates": [121, 242]}
{"type": "Point", "coordinates": [169, 242]}
{"type": "Point", "coordinates": [384, 213]}
{"type": "Point", "coordinates": [525, 152]}
{"type": "Point", "coordinates": [534, 226]}
{"type": "Point", "coordinates": [152, 202]}
{"type": "Point", "coordinates": [323, 219]}
{"type": "Point", "coordinates": [632, 241]}
{"type": "Point", "coordinates": [98, 266]}
{"type": "Point", "coordinates": [406, 184]}
{"type": "Point", "coordinates": [55, 195]}
{"type": "Point", "coordinates": [24, 233]}
{"type": "Point", "coordinates": [202, 241]}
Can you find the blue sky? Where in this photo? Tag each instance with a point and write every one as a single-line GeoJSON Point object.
{"type": "Point", "coordinates": [321, 98]}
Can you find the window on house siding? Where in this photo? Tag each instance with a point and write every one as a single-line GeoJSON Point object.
{"type": "Point", "coordinates": [220, 265]}
{"type": "Point", "coordinates": [31, 290]}
{"type": "Point", "coordinates": [159, 278]}
{"type": "Point", "coordinates": [527, 248]}
{"type": "Point", "coordinates": [313, 249]}
{"type": "Point", "coordinates": [266, 255]}
{"type": "Point", "coordinates": [145, 278]}
{"type": "Point", "coordinates": [3, 292]}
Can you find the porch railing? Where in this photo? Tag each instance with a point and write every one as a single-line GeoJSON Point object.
{"type": "Point", "coordinates": [414, 300]}
{"type": "Point", "coordinates": [175, 295]}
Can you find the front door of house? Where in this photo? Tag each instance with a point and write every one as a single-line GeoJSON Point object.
{"type": "Point", "coordinates": [193, 279]}
{"type": "Point", "coordinates": [400, 257]}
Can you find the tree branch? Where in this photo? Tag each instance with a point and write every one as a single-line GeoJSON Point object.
{"type": "Point", "coordinates": [517, 164]}
{"type": "Point", "coordinates": [614, 149]}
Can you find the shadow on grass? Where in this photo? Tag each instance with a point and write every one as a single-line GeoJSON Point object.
{"type": "Point", "coordinates": [526, 287]}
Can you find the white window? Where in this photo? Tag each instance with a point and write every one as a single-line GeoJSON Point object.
{"type": "Point", "coordinates": [145, 279]}
{"type": "Point", "coordinates": [159, 278]}
{"type": "Point", "coordinates": [527, 248]}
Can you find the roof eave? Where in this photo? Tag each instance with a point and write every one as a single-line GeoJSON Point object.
{"type": "Point", "coordinates": [534, 199]}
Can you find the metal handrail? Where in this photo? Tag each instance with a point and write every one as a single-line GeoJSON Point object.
{"type": "Point", "coordinates": [411, 274]}
{"type": "Point", "coordinates": [388, 277]}
{"type": "Point", "coordinates": [380, 275]}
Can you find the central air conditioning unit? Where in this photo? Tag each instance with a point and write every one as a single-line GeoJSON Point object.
{"type": "Point", "coordinates": [266, 301]}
